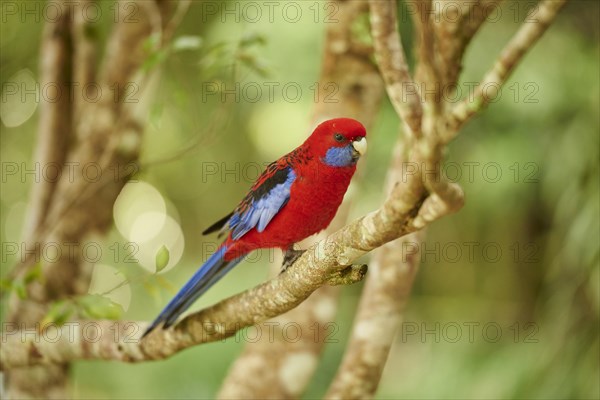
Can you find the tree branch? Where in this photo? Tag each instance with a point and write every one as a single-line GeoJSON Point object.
{"type": "Point", "coordinates": [84, 59]}
{"type": "Point", "coordinates": [214, 323]}
{"type": "Point", "coordinates": [55, 118]}
{"type": "Point", "coordinates": [427, 68]}
{"type": "Point", "coordinates": [55, 129]}
{"type": "Point", "coordinates": [391, 59]}
{"type": "Point", "coordinates": [385, 295]}
{"type": "Point", "coordinates": [108, 135]}
{"type": "Point", "coordinates": [455, 32]}
{"type": "Point", "coordinates": [527, 35]}
{"type": "Point", "coordinates": [21, 348]}
{"type": "Point", "coordinates": [324, 263]}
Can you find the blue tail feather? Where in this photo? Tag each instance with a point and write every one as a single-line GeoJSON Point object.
{"type": "Point", "coordinates": [206, 276]}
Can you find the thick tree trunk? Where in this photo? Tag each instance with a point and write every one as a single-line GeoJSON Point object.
{"type": "Point", "coordinates": [74, 209]}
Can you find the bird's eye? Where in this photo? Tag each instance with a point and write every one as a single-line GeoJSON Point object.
{"type": "Point", "coordinates": [338, 137]}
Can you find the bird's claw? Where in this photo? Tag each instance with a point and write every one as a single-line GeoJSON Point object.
{"type": "Point", "coordinates": [290, 257]}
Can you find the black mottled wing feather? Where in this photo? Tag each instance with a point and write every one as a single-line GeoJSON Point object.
{"type": "Point", "coordinates": [217, 226]}
{"type": "Point", "coordinates": [274, 175]}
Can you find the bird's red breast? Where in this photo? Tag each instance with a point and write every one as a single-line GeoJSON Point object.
{"type": "Point", "coordinates": [316, 192]}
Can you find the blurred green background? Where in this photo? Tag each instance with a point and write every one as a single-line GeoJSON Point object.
{"type": "Point", "coordinates": [506, 304]}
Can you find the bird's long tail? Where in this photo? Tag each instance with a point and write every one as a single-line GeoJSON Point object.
{"type": "Point", "coordinates": [208, 274]}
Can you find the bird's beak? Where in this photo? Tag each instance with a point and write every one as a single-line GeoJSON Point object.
{"type": "Point", "coordinates": [360, 145]}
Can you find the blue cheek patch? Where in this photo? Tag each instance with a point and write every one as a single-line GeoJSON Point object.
{"type": "Point", "coordinates": [339, 156]}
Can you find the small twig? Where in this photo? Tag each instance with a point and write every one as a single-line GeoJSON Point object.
{"type": "Point", "coordinates": [527, 35]}
{"type": "Point", "coordinates": [390, 57]}
{"type": "Point", "coordinates": [84, 59]}
{"type": "Point", "coordinates": [215, 124]}
{"type": "Point", "coordinates": [455, 32]}
{"type": "Point", "coordinates": [180, 12]}
{"type": "Point", "coordinates": [428, 71]}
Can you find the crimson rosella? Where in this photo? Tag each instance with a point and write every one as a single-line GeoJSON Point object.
{"type": "Point", "coordinates": [295, 197]}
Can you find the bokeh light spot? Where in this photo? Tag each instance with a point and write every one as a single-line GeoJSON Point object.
{"type": "Point", "coordinates": [20, 98]}
{"type": "Point", "coordinates": [171, 236]}
{"type": "Point", "coordinates": [135, 200]}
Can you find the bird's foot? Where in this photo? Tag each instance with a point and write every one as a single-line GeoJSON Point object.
{"type": "Point", "coordinates": [290, 257]}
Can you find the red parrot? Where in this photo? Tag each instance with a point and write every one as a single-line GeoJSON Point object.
{"type": "Point", "coordinates": [295, 197]}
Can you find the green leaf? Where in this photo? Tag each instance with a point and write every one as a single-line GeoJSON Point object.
{"type": "Point", "coordinates": [162, 258]}
{"type": "Point", "coordinates": [154, 53]}
{"type": "Point", "coordinates": [6, 284]}
{"type": "Point", "coordinates": [59, 313]}
{"type": "Point", "coordinates": [153, 60]}
{"type": "Point", "coordinates": [187, 43]}
{"type": "Point", "coordinates": [152, 42]}
{"type": "Point", "coordinates": [156, 112]}
{"type": "Point", "coordinates": [34, 274]}
{"type": "Point", "coordinates": [96, 306]}
{"type": "Point", "coordinates": [361, 29]}
{"type": "Point", "coordinates": [211, 61]}
{"type": "Point", "coordinates": [153, 290]}
{"type": "Point", "coordinates": [255, 64]}
{"type": "Point", "coordinates": [252, 38]}
{"type": "Point", "coordinates": [19, 288]}
{"type": "Point", "coordinates": [217, 49]}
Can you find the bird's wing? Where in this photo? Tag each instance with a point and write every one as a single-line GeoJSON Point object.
{"type": "Point", "coordinates": [264, 200]}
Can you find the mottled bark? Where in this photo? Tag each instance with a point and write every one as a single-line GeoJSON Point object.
{"type": "Point", "coordinates": [54, 135]}
{"type": "Point", "coordinates": [54, 129]}
{"type": "Point", "coordinates": [391, 59]}
{"type": "Point", "coordinates": [386, 292]}
{"type": "Point", "coordinates": [455, 32]}
{"type": "Point", "coordinates": [84, 60]}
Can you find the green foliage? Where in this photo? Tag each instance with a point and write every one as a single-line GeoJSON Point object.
{"type": "Point", "coordinates": [187, 43]}
{"type": "Point", "coordinates": [361, 29]}
{"type": "Point", "coordinates": [18, 285]}
{"type": "Point", "coordinates": [95, 306]}
{"type": "Point", "coordinates": [59, 312]}
{"type": "Point", "coordinates": [162, 258]}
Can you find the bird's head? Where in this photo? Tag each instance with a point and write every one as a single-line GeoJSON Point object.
{"type": "Point", "coordinates": [338, 142]}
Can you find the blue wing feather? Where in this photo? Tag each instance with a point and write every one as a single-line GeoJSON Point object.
{"type": "Point", "coordinates": [268, 195]}
{"type": "Point", "coordinates": [257, 212]}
